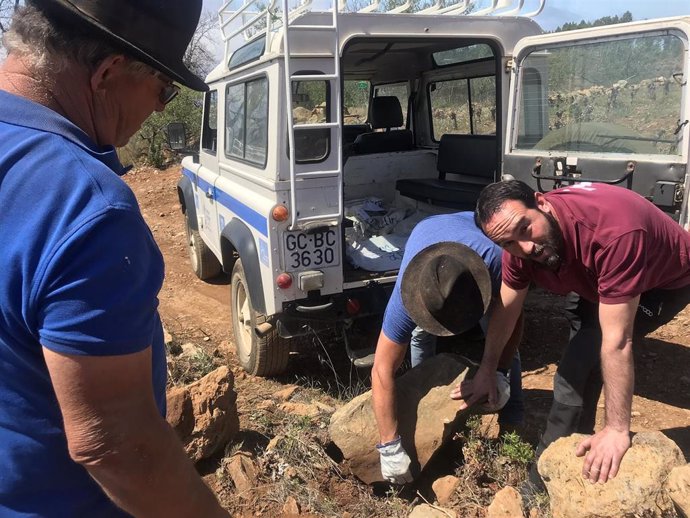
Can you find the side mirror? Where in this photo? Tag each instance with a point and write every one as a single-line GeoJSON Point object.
{"type": "Point", "coordinates": [177, 136]}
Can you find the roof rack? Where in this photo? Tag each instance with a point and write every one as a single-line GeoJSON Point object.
{"type": "Point", "coordinates": [254, 18]}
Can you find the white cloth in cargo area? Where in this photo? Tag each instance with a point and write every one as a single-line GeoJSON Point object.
{"type": "Point", "coordinates": [376, 241]}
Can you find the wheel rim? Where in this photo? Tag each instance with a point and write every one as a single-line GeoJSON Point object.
{"type": "Point", "coordinates": [244, 324]}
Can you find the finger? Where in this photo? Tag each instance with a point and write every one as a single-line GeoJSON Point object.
{"type": "Point", "coordinates": [594, 472]}
{"type": "Point", "coordinates": [615, 465]}
{"type": "Point", "coordinates": [587, 466]}
{"type": "Point", "coordinates": [605, 470]}
{"type": "Point", "coordinates": [458, 393]}
{"type": "Point", "coordinates": [583, 447]}
{"type": "Point", "coordinates": [492, 396]}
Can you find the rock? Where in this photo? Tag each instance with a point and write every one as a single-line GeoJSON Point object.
{"type": "Point", "coordinates": [507, 503]}
{"type": "Point", "coordinates": [167, 337]}
{"type": "Point", "coordinates": [189, 350]}
{"type": "Point", "coordinates": [180, 413]}
{"type": "Point", "coordinates": [242, 471]}
{"type": "Point", "coordinates": [444, 488]}
{"type": "Point", "coordinates": [204, 413]}
{"type": "Point", "coordinates": [637, 490]}
{"type": "Point", "coordinates": [290, 507]}
{"type": "Point", "coordinates": [678, 487]}
{"type": "Point", "coordinates": [323, 407]}
{"type": "Point", "coordinates": [301, 409]}
{"type": "Point", "coordinates": [427, 511]}
{"type": "Point", "coordinates": [273, 443]}
{"type": "Point", "coordinates": [285, 393]}
{"type": "Point", "coordinates": [427, 417]}
{"type": "Point", "coordinates": [266, 404]}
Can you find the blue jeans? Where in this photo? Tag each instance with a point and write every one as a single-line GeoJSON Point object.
{"type": "Point", "coordinates": [423, 346]}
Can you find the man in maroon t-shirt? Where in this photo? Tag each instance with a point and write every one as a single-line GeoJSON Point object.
{"type": "Point", "coordinates": [630, 265]}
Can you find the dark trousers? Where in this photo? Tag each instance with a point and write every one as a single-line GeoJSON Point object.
{"type": "Point", "coordinates": [578, 383]}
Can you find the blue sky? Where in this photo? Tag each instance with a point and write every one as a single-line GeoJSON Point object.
{"type": "Point", "coordinates": [558, 12]}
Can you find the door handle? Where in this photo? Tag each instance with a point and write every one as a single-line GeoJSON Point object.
{"type": "Point", "coordinates": [209, 194]}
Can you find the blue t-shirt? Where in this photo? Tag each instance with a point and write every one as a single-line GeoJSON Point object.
{"type": "Point", "coordinates": [458, 227]}
{"type": "Point", "coordinates": [80, 275]}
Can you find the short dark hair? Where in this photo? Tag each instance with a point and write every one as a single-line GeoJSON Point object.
{"type": "Point", "coordinates": [494, 195]}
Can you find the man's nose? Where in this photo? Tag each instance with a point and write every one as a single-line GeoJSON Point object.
{"type": "Point", "coordinates": [526, 247]}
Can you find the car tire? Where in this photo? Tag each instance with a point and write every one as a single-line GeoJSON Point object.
{"type": "Point", "coordinates": [204, 262]}
{"type": "Point", "coordinates": [265, 355]}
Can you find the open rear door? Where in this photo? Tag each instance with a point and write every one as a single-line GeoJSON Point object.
{"type": "Point", "coordinates": [607, 104]}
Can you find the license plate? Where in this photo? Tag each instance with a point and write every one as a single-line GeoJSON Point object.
{"type": "Point", "coordinates": [311, 250]}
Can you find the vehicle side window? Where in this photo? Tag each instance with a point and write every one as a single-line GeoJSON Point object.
{"type": "Point", "coordinates": [209, 130]}
{"type": "Point", "coordinates": [621, 95]}
{"type": "Point", "coordinates": [356, 102]}
{"type": "Point", "coordinates": [246, 121]}
{"type": "Point", "coordinates": [463, 106]}
{"type": "Point", "coordinates": [398, 90]}
{"type": "Point", "coordinates": [311, 105]}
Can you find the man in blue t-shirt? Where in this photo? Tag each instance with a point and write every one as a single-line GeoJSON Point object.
{"type": "Point", "coordinates": [447, 278]}
{"type": "Point", "coordinates": [82, 360]}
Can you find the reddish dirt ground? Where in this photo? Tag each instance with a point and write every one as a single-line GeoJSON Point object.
{"type": "Point", "coordinates": [193, 310]}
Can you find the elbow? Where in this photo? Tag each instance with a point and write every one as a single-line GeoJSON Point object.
{"type": "Point", "coordinates": [93, 445]}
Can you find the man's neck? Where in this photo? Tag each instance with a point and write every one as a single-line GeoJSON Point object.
{"type": "Point", "coordinates": [65, 92]}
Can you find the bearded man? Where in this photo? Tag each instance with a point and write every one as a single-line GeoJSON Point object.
{"type": "Point", "coordinates": [625, 266]}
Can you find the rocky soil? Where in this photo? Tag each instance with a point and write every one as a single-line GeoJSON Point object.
{"type": "Point", "coordinates": [281, 463]}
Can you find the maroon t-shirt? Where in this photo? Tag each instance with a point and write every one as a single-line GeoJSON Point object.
{"type": "Point", "coordinates": [617, 246]}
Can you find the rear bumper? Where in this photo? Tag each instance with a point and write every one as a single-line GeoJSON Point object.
{"type": "Point", "coordinates": [299, 316]}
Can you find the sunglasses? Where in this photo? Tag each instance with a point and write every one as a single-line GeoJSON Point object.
{"type": "Point", "coordinates": [169, 91]}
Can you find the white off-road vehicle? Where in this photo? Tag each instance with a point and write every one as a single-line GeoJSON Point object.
{"type": "Point", "coordinates": [327, 135]}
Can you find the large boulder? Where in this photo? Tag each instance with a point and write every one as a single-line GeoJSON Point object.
{"type": "Point", "coordinates": [204, 413]}
{"type": "Point", "coordinates": [427, 417]}
{"type": "Point", "coordinates": [637, 490]}
{"type": "Point", "coordinates": [678, 486]}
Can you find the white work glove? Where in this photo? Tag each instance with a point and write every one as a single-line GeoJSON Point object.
{"type": "Point", "coordinates": [502, 395]}
{"type": "Point", "coordinates": [395, 463]}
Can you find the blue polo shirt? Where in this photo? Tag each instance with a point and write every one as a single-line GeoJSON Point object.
{"type": "Point", "coordinates": [80, 275]}
{"type": "Point", "coordinates": [458, 227]}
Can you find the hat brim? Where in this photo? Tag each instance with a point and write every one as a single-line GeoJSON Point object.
{"type": "Point", "coordinates": [412, 295]}
{"type": "Point", "coordinates": [70, 13]}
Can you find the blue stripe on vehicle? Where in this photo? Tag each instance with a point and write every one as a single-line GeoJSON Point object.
{"type": "Point", "coordinates": [245, 212]}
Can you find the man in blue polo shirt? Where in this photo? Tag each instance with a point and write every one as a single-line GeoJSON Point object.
{"type": "Point", "coordinates": [447, 278]}
{"type": "Point", "coordinates": [82, 361]}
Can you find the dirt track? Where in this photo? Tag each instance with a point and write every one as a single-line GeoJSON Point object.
{"type": "Point", "coordinates": [199, 312]}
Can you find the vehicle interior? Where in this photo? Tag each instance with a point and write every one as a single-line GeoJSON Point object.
{"type": "Point", "coordinates": [421, 120]}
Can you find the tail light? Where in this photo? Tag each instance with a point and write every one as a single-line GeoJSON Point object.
{"type": "Point", "coordinates": [284, 281]}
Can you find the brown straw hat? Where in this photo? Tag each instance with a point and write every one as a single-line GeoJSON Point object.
{"type": "Point", "coordinates": [446, 288]}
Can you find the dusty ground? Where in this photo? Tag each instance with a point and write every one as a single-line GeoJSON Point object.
{"type": "Point", "coordinates": [199, 312]}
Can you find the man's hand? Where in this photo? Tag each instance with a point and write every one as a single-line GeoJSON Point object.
{"type": "Point", "coordinates": [604, 452]}
{"type": "Point", "coordinates": [480, 388]}
{"type": "Point", "coordinates": [395, 462]}
{"type": "Point", "coordinates": [502, 395]}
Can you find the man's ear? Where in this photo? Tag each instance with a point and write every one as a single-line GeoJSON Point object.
{"type": "Point", "coordinates": [105, 70]}
{"type": "Point", "coordinates": [542, 204]}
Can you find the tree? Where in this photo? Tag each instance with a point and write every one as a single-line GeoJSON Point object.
{"type": "Point", "coordinates": [606, 20]}
{"type": "Point", "coordinates": [7, 8]}
{"type": "Point", "coordinates": [148, 146]}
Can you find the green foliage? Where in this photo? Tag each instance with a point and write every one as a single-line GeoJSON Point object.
{"type": "Point", "coordinates": [515, 449]}
{"type": "Point", "coordinates": [606, 20]}
{"type": "Point", "coordinates": [149, 146]}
